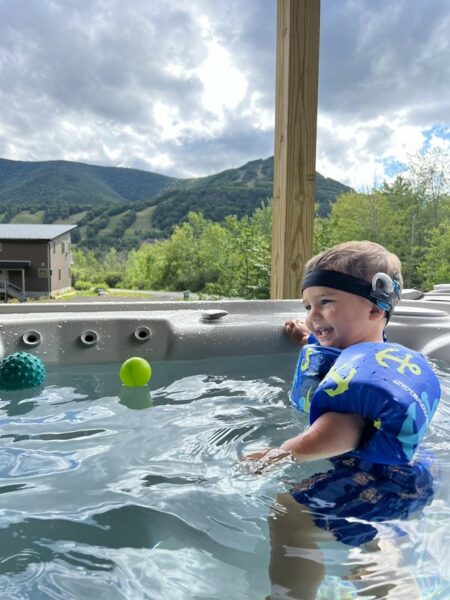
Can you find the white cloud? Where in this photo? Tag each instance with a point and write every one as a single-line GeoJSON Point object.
{"type": "Point", "coordinates": [186, 87]}
{"type": "Point", "coordinates": [224, 86]}
{"type": "Point", "coordinates": [357, 153]}
{"type": "Point", "coordinates": [440, 142]}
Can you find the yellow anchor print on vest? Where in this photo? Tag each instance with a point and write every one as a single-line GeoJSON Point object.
{"type": "Point", "coordinates": [307, 402]}
{"type": "Point", "coordinates": [388, 354]}
{"type": "Point", "coordinates": [305, 362]}
{"type": "Point", "coordinates": [342, 381]}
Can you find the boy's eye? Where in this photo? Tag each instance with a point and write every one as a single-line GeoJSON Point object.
{"type": "Point", "coordinates": [323, 301]}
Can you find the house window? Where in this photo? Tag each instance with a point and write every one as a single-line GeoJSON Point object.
{"type": "Point", "coordinates": [43, 273]}
{"type": "Point", "coordinates": [59, 274]}
{"type": "Point", "coordinates": [54, 247]}
{"type": "Point", "coordinates": [1, 246]}
{"type": "Point", "coordinates": [63, 248]}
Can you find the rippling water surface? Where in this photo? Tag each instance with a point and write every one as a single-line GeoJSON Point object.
{"type": "Point", "coordinates": [110, 493]}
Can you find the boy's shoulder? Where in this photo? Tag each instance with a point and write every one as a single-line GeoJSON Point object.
{"type": "Point", "coordinates": [385, 355]}
{"type": "Point", "coordinates": [368, 347]}
{"type": "Point", "coordinates": [384, 365]}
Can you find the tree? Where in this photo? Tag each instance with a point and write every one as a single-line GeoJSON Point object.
{"type": "Point", "coordinates": [399, 216]}
{"type": "Point", "coordinates": [136, 268]}
{"type": "Point", "coordinates": [85, 268]}
{"type": "Point", "coordinates": [229, 259]}
{"type": "Point", "coordinates": [429, 174]}
{"type": "Point", "coordinates": [112, 265]}
{"type": "Point", "coordinates": [435, 265]}
{"type": "Point", "coordinates": [247, 249]}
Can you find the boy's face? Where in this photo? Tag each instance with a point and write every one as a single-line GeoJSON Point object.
{"type": "Point", "coordinates": [341, 319]}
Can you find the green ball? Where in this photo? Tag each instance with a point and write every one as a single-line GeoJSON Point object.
{"type": "Point", "coordinates": [20, 371]}
{"type": "Point", "coordinates": [135, 372]}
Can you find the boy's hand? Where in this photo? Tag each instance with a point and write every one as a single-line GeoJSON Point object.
{"type": "Point", "coordinates": [297, 331]}
{"type": "Point", "coordinates": [257, 462]}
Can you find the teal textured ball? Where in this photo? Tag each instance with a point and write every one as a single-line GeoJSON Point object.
{"type": "Point", "coordinates": [20, 371]}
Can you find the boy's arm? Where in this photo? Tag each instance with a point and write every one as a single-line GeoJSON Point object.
{"type": "Point", "coordinates": [330, 435]}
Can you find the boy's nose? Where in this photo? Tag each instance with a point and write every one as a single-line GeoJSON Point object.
{"type": "Point", "coordinates": [313, 311]}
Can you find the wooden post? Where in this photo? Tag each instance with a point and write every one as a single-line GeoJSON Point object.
{"type": "Point", "coordinates": [298, 25]}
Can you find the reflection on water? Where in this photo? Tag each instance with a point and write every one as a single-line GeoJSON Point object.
{"type": "Point", "coordinates": [119, 493]}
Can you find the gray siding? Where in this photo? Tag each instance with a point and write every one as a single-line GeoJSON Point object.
{"type": "Point", "coordinates": [59, 262]}
{"type": "Point", "coordinates": [37, 253]}
{"type": "Point", "coordinates": [52, 255]}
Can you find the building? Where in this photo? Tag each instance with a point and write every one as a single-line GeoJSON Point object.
{"type": "Point", "coordinates": [35, 260]}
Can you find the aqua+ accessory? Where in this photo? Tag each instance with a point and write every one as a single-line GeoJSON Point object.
{"type": "Point", "coordinates": [384, 289]}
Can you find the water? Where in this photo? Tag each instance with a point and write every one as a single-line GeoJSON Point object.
{"type": "Point", "coordinates": [106, 496]}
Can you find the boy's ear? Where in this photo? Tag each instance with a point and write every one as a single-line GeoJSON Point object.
{"type": "Point", "coordinates": [376, 312]}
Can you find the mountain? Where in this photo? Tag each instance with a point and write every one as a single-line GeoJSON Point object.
{"type": "Point", "coordinates": [31, 183]}
{"type": "Point", "coordinates": [119, 207]}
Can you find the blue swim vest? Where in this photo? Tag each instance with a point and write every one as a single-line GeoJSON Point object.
{"type": "Point", "coordinates": [393, 387]}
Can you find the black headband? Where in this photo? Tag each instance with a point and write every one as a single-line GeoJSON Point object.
{"type": "Point", "coordinates": [382, 291]}
{"type": "Point", "coordinates": [338, 281]}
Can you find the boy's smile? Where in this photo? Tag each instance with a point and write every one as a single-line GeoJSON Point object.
{"type": "Point", "coordinates": [341, 319]}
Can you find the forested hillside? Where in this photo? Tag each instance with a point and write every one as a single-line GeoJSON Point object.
{"type": "Point", "coordinates": [66, 187]}
{"type": "Point", "coordinates": [117, 207]}
{"type": "Point", "coordinates": [410, 216]}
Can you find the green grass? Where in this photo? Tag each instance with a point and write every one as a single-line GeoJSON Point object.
{"type": "Point", "coordinates": [142, 222]}
{"type": "Point", "coordinates": [25, 217]}
{"type": "Point", "coordinates": [111, 292]}
{"type": "Point", "coordinates": [114, 220]}
{"type": "Point", "coordinates": [82, 231]}
{"type": "Point", "coordinates": [72, 219]}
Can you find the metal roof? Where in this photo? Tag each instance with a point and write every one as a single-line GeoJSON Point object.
{"type": "Point", "coordinates": [32, 232]}
{"type": "Point", "coordinates": [14, 264]}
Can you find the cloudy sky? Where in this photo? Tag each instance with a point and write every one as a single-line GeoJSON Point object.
{"type": "Point", "coordinates": [186, 87]}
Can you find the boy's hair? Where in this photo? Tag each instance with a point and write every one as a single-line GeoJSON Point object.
{"type": "Point", "coordinates": [360, 259]}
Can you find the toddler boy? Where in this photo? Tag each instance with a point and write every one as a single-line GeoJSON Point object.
{"type": "Point", "coordinates": [349, 293]}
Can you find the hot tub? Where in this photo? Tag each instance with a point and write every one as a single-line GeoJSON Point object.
{"type": "Point", "coordinates": [139, 493]}
{"type": "Point", "coordinates": [68, 334]}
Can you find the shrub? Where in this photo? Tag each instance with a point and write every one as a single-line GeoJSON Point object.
{"type": "Point", "coordinates": [82, 285]}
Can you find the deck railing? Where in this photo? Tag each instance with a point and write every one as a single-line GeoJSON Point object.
{"type": "Point", "coordinates": [11, 290]}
